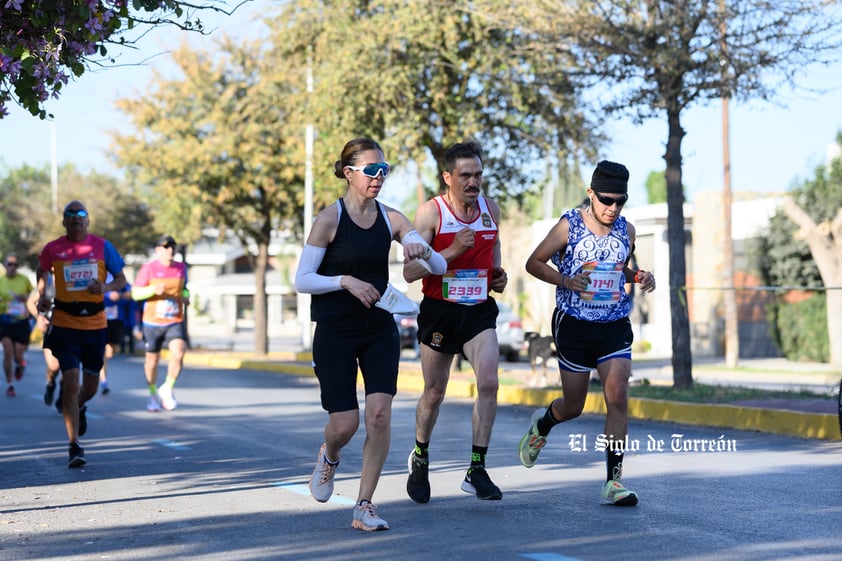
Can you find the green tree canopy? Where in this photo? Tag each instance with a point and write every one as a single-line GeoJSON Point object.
{"type": "Point", "coordinates": [656, 187]}
{"type": "Point", "coordinates": [44, 43]}
{"type": "Point", "coordinates": [419, 76]}
{"type": "Point", "coordinates": [657, 58]}
{"type": "Point", "coordinates": [30, 218]}
{"type": "Point", "coordinates": [218, 145]}
{"type": "Point", "coordinates": [816, 210]}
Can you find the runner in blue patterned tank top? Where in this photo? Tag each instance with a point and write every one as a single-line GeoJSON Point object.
{"type": "Point", "coordinates": [590, 250]}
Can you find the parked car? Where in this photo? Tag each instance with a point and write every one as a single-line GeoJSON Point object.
{"type": "Point", "coordinates": [407, 331]}
{"type": "Point", "coordinates": [509, 333]}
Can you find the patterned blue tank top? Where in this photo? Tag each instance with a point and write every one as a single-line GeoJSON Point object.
{"type": "Point", "coordinates": [604, 256]}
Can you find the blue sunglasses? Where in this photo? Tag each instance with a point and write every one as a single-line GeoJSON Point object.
{"type": "Point", "coordinates": [372, 170]}
{"type": "Point", "coordinates": [81, 213]}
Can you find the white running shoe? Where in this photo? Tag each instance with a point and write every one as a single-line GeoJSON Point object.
{"type": "Point", "coordinates": [153, 404]}
{"type": "Point", "coordinates": [167, 398]}
{"type": "Point", "coordinates": [321, 482]}
{"type": "Point", "coordinates": [366, 519]}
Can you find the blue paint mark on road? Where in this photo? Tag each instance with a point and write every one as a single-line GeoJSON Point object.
{"type": "Point", "coordinates": [305, 490]}
{"type": "Point", "coordinates": [547, 557]}
{"type": "Point", "coordinates": [171, 444]}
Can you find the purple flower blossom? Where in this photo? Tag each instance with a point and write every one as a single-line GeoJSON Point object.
{"type": "Point", "coordinates": [94, 25]}
{"type": "Point", "coordinates": [39, 70]}
{"type": "Point", "coordinates": [66, 41]}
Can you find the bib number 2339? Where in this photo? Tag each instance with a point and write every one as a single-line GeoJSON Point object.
{"type": "Point", "coordinates": [465, 286]}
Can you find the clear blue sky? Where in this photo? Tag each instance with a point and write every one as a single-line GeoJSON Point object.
{"type": "Point", "coordinates": [772, 146]}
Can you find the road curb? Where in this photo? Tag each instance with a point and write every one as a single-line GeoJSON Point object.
{"type": "Point", "coordinates": [777, 421]}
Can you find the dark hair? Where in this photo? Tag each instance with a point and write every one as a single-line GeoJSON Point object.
{"type": "Point", "coordinates": [75, 202]}
{"type": "Point", "coordinates": [467, 149]}
{"type": "Point", "coordinates": [166, 240]}
{"type": "Point", "coordinates": [351, 152]}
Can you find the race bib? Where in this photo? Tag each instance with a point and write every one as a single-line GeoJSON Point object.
{"type": "Point", "coordinates": [606, 282]}
{"type": "Point", "coordinates": [465, 286]}
{"type": "Point", "coordinates": [79, 274]}
{"type": "Point", "coordinates": [166, 309]}
{"type": "Point", "coordinates": [16, 308]}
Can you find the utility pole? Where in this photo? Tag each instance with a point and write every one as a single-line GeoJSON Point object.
{"type": "Point", "coordinates": [732, 323]}
{"type": "Point", "coordinates": [53, 168]}
{"type": "Point", "coordinates": [309, 140]}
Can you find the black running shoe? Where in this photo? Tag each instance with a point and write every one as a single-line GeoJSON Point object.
{"type": "Point", "coordinates": [59, 405]}
{"type": "Point", "coordinates": [77, 455]}
{"type": "Point", "coordinates": [83, 420]}
{"type": "Point", "coordinates": [49, 393]}
{"type": "Point", "coordinates": [478, 482]}
{"type": "Point", "coordinates": [418, 483]}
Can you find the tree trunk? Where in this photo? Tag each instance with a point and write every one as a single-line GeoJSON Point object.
{"type": "Point", "coordinates": [834, 323]}
{"type": "Point", "coordinates": [825, 243]}
{"type": "Point", "coordinates": [261, 323]}
{"type": "Point", "coordinates": [682, 367]}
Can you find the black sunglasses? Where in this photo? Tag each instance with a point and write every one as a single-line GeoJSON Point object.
{"type": "Point", "coordinates": [12, 264]}
{"type": "Point", "coordinates": [609, 201]}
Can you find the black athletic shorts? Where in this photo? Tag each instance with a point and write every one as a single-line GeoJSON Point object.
{"type": "Point", "coordinates": [156, 337]}
{"type": "Point", "coordinates": [74, 346]}
{"type": "Point", "coordinates": [446, 326]}
{"type": "Point", "coordinates": [115, 331]}
{"type": "Point", "coordinates": [340, 349]}
{"type": "Point", "coordinates": [17, 331]}
{"type": "Point", "coordinates": [582, 345]}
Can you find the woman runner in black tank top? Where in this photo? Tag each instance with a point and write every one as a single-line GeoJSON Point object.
{"type": "Point", "coordinates": [344, 265]}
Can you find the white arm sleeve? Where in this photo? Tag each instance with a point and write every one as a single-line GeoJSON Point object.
{"type": "Point", "coordinates": [307, 279]}
{"type": "Point", "coordinates": [433, 262]}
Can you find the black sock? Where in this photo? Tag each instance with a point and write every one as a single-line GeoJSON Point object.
{"type": "Point", "coordinates": [478, 457]}
{"type": "Point", "coordinates": [614, 464]}
{"type": "Point", "coordinates": [422, 449]}
{"type": "Point", "coordinates": [547, 422]}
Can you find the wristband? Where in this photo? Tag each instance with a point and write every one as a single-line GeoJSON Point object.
{"type": "Point", "coordinates": [637, 275]}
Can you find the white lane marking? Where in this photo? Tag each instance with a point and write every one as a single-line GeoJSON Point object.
{"type": "Point", "coordinates": [305, 490]}
{"type": "Point", "coordinates": [171, 444]}
{"type": "Point", "coordinates": [547, 557]}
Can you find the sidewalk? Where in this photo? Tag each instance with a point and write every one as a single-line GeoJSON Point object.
{"type": "Point", "coordinates": [805, 418]}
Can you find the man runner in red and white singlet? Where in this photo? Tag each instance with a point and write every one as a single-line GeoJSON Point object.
{"type": "Point", "coordinates": [458, 314]}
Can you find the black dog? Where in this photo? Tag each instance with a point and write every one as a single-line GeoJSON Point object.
{"type": "Point", "coordinates": [540, 350]}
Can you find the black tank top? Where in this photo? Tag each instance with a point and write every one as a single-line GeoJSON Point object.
{"type": "Point", "coordinates": [361, 253]}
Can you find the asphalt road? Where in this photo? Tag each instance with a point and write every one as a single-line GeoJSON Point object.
{"type": "Point", "coordinates": [224, 477]}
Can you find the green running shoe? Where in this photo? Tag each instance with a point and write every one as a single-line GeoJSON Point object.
{"type": "Point", "coordinates": [613, 493]}
{"type": "Point", "coordinates": [532, 442]}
